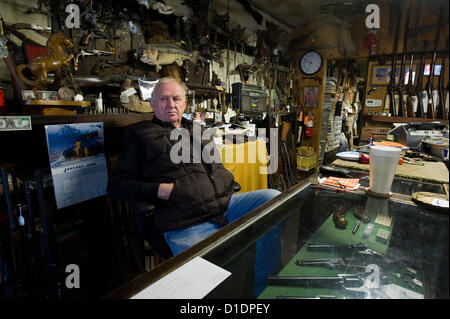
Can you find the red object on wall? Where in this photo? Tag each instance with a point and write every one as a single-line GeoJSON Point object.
{"type": "Point", "coordinates": [371, 41]}
{"type": "Point", "coordinates": [2, 97]}
{"type": "Point", "coordinates": [33, 51]}
{"type": "Point", "coordinates": [309, 131]}
{"type": "Point", "coordinates": [2, 102]}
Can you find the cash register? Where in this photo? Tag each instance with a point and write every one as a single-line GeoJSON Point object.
{"type": "Point", "coordinates": [412, 134]}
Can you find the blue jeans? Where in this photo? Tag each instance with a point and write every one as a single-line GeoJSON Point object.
{"type": "Point", "coordinates": [268, 246]}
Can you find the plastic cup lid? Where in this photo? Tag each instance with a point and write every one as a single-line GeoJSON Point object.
{"type": "Point", "coordinates": [385, 151]}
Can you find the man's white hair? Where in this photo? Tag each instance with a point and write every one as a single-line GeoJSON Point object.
{"type": "Point", "coordinates": [168, 79]}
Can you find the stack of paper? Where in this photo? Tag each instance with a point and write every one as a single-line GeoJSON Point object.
{"type": "Point", "coordinates": [345, 183]}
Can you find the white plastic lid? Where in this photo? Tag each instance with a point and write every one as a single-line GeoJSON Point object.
{"type": "Point", "coordinates": [385, 151]}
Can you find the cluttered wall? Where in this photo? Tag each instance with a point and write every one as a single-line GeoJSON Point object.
{"type": "Point", "coordinates": [208, 44]}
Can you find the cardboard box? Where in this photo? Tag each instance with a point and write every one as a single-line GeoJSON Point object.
{"type": "Point", "coordinates": [379, 132]}
{"type": "Point", "coordinates": [305, 151]}
{"type": "Point", "coordinates": [306, 163]}
{"type": "Point", "coordinates": [375, 130]}
{"type": "Point", "coordinates": [376, 137]}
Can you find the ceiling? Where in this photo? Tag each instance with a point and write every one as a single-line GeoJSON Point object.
{"type": "Point", "coordinates": [295, 13]}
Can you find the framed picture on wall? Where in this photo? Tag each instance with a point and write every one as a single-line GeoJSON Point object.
{"type": "Point", "coordinates": [381, 74]}
{"type": "Point", "coordinates": [427, 69]}
{"type": "Point", "coordinates": [312, 96]}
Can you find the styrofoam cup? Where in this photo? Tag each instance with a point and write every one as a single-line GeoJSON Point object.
{"type": "Point", "coordinates": [383, 163]}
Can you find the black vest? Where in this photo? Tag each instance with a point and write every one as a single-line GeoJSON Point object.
{"type": "Point", "coordinates": [202, 190]}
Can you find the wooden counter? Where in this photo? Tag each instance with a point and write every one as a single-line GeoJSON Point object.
{"type": "Point", "coordinates": [431, 171]}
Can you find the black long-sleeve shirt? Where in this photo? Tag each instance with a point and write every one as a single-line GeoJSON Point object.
{"type": "Point", "coordinates": [125, 182]}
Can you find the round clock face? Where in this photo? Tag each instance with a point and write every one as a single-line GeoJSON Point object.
{"type": "Point", "coordinates": [311, 62]}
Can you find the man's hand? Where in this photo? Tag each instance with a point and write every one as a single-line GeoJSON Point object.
{"type": "Point", "coordinates": [164, 190]}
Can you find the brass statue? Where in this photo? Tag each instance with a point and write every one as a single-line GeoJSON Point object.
{"type": "Point", "coordinates": [54, 61]}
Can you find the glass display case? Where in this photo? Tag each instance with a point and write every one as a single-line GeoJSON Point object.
{"type": "Point", "coordinates": [312, 242]}
{"type": "Point", "coordinates": [404, 186]}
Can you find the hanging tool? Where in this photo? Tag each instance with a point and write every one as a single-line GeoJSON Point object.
{"type": "Point", "coordinates": [287, 168]}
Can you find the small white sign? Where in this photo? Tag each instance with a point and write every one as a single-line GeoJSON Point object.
{"type": "Point", "coordinates": [193, 280]}
{"type": "Point", "coordinates": [396, 292]}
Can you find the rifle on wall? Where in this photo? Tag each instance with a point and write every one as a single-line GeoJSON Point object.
{"type": "Point", "coordinates": [412, 104]}
{"type": "Point", "coordinates": [401, 80]}
{"type": "Point", "coordinates": [442, 109]}
{"type": "Point", "coordinates": [431, 94]}
{"type": "Point", "coordinates": [389, 101]}
{"type": "Point", "coordinates": [422, 104]}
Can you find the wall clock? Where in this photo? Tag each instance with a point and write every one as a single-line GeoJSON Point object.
{"type": "Point", "coordinates": [311, 62]}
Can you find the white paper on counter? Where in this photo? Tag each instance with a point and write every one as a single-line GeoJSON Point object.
{"type": "Point", "coordinates": [397, 292]}
{"type": "Point", "coordinates": [193, 280]}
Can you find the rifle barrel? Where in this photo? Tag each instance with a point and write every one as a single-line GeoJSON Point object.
{"type": "Point", "coordinates": [419, 92]}
{"type": "Point", "coordinates": [430, 89]}
{"type": "Point", "coordinates": [401, 80]}
{"type": "Point", "coordinates": [390, 94]}
{"type": "Point", "coordinates": [413, 98]}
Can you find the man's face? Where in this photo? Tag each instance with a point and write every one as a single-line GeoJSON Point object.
{"type": "Point", "coordinates": [169, 103]}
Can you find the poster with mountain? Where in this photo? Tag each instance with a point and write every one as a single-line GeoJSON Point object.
{"type": "Point", "coordinates": [77, 162]}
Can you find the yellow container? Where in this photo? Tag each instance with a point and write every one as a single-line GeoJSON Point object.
{"type": "Point", "coordinates": [306, 163]}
